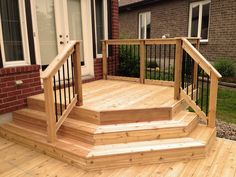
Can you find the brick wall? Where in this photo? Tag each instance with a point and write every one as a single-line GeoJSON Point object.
{"type": "Point", "coordinates": [115, 35]}
{"type": "Point", "coordinates": [13, 97]}
{"type": "Point", "coordinates": [172, 17]}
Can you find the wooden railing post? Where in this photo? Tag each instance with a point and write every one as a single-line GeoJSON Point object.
{"type": "Point", "coordinates": [195, 69]}
{"type": "Point", "coordinates": [78, 79]}
{"type": "Point", "coordinates": [104, 60]}
{"type": "Point", "coordinates": [178, 68]}
{"type": "Point", "coordinates": [142, 61]}
{"type": "Point", "coordinates": [50, 109]}
{"type": "Point", "coordinates": [212, 100]}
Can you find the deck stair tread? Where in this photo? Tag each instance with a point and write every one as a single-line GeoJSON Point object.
{"type": "Point", "coordinates": [155, 145]}
{"type": "Point", "coordinates": [198, 138]}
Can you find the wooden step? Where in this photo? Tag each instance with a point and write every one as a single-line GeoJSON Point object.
{"type": "Point", "coordinates": [165, 111]}
{"type": "Point", "coordinates": [115, 155]}
{"type": "Point", "coordinates": [30, 117]}
{"type": "Point", "coordinates": [180, 126]}
{"type": "Point", "coordinates": [157, 151]}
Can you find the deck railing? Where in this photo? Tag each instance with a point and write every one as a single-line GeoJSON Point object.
{"type": "Point", "coordinates": [62, 87]}
{"type": "Point", "coordinates": [173, 62]}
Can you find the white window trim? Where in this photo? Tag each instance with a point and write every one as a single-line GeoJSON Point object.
{"type": "Point", "coordinates": [145, 22]}
{"type": "Point", "coordinates": [105, 19]}
{"type": "Point", "coordinates": [24, 35]}
{"type": "Point", "coordinates": [200, 4]}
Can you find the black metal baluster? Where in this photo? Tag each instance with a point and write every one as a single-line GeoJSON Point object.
{"type": "Point", "coordinates": [55, 96]}
{"type": "Point", "coordinates": [59, 82]}
{"type": "Point", "coordinates": [115, 57]}
{"type": "Point", "coordinates": [72, 74]}
{"type": "Point", "coordinates": [197, 97]}
{"type": "Point", "coordinates": [174, 64]}
{"type": "Point", "coordinates": [207, 96]}
{"type": "Point", "coordinates": [202, 89]}
{"type": "Point", "coordinates": [68, 77]}
{"type": "Point", "coordinates": [187, 72]}
{"type": "Point", "coordinates": [160, 62]}
{"type": "Point", "coordinates": [192, 77]}
{"type": "Point", "coordinates": [169, 62]}
{"type": "Point", "coordinates": [164, 74]}
{"type": "Point", "coordinates": [146, 60]}
{"type": "Point", "coordinates": [150, 63]}
{"type": "Point", "coordinates": [138, 58]}
{"type": "Point", "coordinates": [155, 72]}
{"type": "Point", "coordinates": [64, 84]}
{"type": "Point", "coordinates": [183, 69]}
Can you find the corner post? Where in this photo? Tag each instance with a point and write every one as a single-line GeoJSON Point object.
{"type": "Point", "coordinates": [50, 109]}
{"type": "Point", "coordinates": [212, 100]}
{"type": "Point", "coordinates": [178, 68]}
{"type": "Point", "coordinates": [104, 60]}
{"type": "Point", "coordinates": [78, 79]}
{"type": "Point", "coordinates": [142, 61]}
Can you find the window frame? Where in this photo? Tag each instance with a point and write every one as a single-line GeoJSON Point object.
{"type": "Point", "coordinates": [199, 30]}
{"type": "Point", "coordinates": [105, 27]}
{"type": "Point", "coordinates": [24, 35]}
{"type": "Point", "coordinates": [145, 22]}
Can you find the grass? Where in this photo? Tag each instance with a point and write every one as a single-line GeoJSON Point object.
{"type": "Point", "coordinates": [226, 105]}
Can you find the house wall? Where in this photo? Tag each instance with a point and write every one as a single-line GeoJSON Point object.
{"type": "Point", "coordinates": [13, 97]}
{"type": "Point", "coordinates": [172, 17]}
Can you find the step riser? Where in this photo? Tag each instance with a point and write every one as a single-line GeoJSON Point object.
{"type": "Point", "coordinates": [28, 121]}
{"type": "Point", "coordinates": [111, 117]}
{"type": "Point", "coordinates": [136, 136]}
{"type": "Point", "coordinates": [146, 158]}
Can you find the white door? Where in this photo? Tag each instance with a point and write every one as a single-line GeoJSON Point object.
{"type": "Point", "coordinates": [58, 21]}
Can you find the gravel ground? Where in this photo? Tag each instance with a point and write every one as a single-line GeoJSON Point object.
{"type": "Point", "coordinates": [226, 130]}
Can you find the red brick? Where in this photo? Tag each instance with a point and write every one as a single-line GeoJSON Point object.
{"type": "Point", "coordinates": [8, 99]}
{"type": "Point", "coordinates": [22, 76]}
{"type": "Point", "coordinates": [8, 89]}
{"type": "Point", "coordinates": [7, 78]}
{"type": "Point", "coordinates": [14, 93]}
{"type": "Point", "coordinates": [28, 80]}
{"type": "Point", "coordinates": [3, 95]}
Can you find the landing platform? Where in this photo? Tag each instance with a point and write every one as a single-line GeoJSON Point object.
{"type": "Point", "coordinates": [122, 95]}
{"type": "Point", "coordinates": [113, 101]}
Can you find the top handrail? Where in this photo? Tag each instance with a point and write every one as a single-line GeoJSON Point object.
{"type": "Point", "coordinates": [193, 40]}
{"type": "Point", "coordinates": [199, 58]}
{"type": "Point", "coordinates": [59, 60]}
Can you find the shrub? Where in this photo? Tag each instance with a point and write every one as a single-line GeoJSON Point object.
{"type": "Point", "coordinates": [129, 61]}
{"type": "Point", "coordinates": [226, 67]}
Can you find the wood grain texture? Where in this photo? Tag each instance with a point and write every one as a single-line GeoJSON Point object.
{"type": "Point", "coordinates": [221, 161]}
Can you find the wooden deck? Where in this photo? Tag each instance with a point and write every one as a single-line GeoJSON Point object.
{"type": "Point", "coordinates": [117, 95]}
{"type": "Point", "coordinates": [19, 161]}
{"type": "Point", "coordinates": [120, 124]}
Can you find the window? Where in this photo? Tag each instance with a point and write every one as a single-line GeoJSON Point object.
{"type": "Point", "coordinates": [199, 20]}
{"type": "Point", "coordinates": [145, 25]}
{"type": "Point", "coordinates": [100, 23]}
{"type": "Point", "coordinates": [13, 32]}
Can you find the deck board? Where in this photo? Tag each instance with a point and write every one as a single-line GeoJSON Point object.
{"type": "Point", "coordinates": [20, 161]}
{"type": "Point", "coordinates": [115, 95]}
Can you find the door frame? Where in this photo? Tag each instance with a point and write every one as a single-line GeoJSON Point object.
{"type": "Point", "coordinates": [88, 67]}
